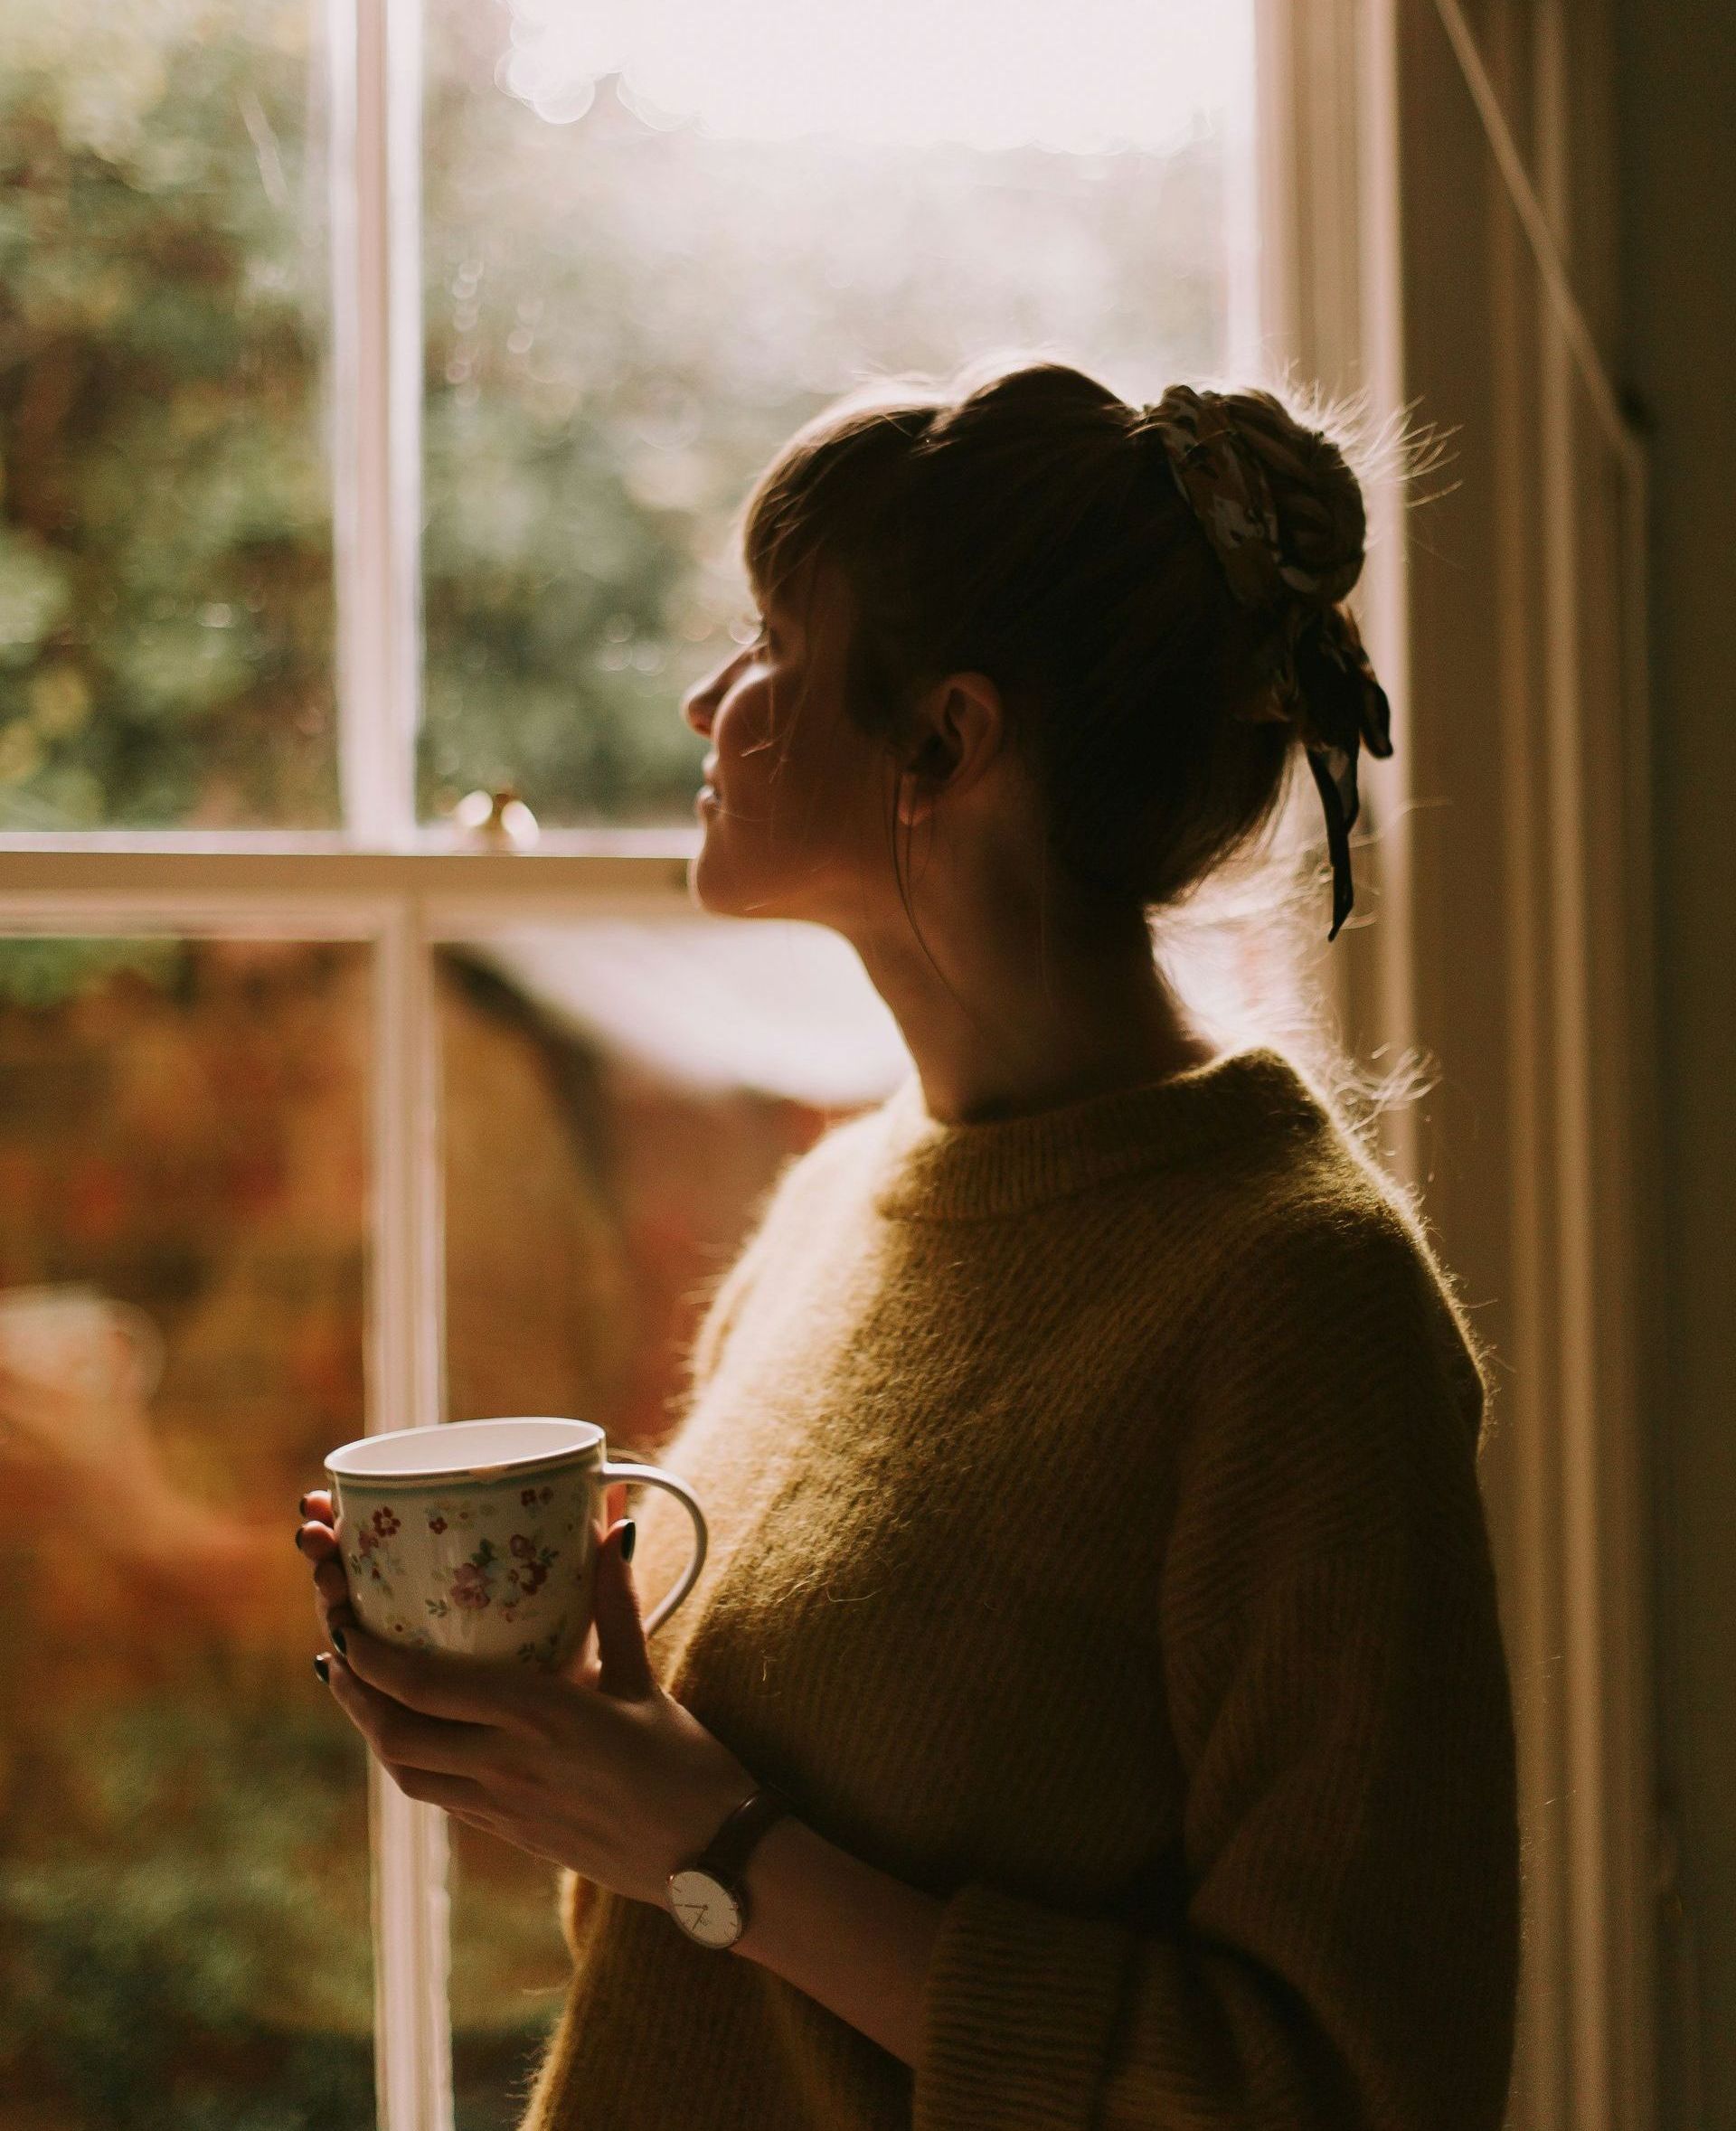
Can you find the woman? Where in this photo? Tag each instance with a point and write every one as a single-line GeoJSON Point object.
{"type": "Point", "coordinates": [1101, 1609]}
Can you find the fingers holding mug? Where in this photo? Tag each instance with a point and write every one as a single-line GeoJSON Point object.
{"type": "Point", "coordinates": [319, 1545]}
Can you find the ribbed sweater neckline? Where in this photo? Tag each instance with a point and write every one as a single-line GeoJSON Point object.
{"type": "Point", "coordinates": [930, 1170]}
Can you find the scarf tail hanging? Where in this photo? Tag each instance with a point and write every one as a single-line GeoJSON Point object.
{"type": "Point", "coordinates": [1321, 681]}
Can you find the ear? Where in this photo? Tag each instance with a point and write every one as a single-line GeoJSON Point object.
{"type": "Point", "coordinates": [961, 726]}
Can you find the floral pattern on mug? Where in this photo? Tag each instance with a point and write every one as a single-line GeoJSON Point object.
{"type": "Point", "coordinates": [476, 1564]}
{"type": "Point", "coordinates": [440, 1516]}
{"type": "Point", "coordinates": [535, 1562]}
{"type": "Point", "coordinates": [374, 1558]}
{"type": "Point", "coordinates": [472, 1585]}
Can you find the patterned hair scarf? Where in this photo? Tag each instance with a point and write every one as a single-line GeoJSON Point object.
{"type": "Point", "coordinates": [1321, 680]}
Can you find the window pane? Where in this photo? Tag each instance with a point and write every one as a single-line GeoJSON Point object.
{"type": "Point", "coordinates": [638, 282]}
{"type": "Point", "coordinates": [183, 1839]}
{"type": "Point", "coordinates": [617, 1098]}
{"type": "Point", "coordinates": [165, 572]}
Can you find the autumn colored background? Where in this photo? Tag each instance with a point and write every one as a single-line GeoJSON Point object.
{"type": "Point", "coordinates": [623, 315]}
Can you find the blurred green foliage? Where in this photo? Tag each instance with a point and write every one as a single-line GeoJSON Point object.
{"type": "Point", "coordinates": [39, 975]}
{"type": "Point", "coordinates": [185, 1928]}
{"type": "Point", "coordinates": [622, 321]}
{"type": "Point", "coordinates": [166, 604]}
{"type": "Point", "coordinates": [176, 1949]}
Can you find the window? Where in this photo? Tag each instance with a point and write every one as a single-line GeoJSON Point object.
{"type": "Point", "coordinates": [377, 387]}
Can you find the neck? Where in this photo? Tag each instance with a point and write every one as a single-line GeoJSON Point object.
{"type": "Point", "coordinates": [1010, 1018]}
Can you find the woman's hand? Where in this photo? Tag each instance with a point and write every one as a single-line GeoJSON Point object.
{"type": "Point", "coordinates": [598, 1770]}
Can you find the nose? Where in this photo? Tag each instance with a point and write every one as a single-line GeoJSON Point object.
{"type": "Point", "coordinates": [699, 706]}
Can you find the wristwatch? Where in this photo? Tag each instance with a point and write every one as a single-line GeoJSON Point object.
{"type": "Point", "coordinates": [707, 1898]}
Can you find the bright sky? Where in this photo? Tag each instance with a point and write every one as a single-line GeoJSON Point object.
{"type": "Point", "coordinates": [1081, 75]}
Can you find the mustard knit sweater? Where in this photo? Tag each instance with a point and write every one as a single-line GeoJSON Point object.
{"type": "Point", "coordinates": [1097, 1545]}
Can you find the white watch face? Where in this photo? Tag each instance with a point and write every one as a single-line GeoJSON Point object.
{"type": "Point", "coordinates": [704, 1909]}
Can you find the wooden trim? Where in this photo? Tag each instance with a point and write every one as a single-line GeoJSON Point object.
{"type": "Point", "coordinates": [97, 886]}
{"type": "Point", "coordinates": [1328, 153]}
{"type": "Point", "coordinates": [1512, 897]}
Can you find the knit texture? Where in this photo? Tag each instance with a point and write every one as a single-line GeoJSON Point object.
{"type": "Point", "coordinates": [1096, 1544]}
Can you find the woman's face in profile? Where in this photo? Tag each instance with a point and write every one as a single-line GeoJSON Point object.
{"type": "Point", "coordinates": [795, 817]}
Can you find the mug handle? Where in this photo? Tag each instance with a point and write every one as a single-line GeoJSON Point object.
{"type": "Point", "coordinates": [612, 1470]}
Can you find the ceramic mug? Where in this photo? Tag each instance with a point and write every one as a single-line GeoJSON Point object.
{"type": "Point", "coordinates": [478, 1537]}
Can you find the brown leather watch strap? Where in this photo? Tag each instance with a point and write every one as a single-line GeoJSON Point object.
{"type": "Point", "coordinates": [730, 1847]}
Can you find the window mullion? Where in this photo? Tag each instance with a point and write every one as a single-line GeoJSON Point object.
{"type": "Point", "coordinates": [406, 1353]}
{"type": "Point", "coordinates": [375, 409]}
{"type": "Point", "coordinates": [376, 360]}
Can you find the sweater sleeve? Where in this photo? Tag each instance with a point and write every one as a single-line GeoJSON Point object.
{"type": "Point", "coordinates": [1339, 1695]}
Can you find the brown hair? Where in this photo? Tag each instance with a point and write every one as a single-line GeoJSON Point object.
{"type": "Point", "coordinates": [1029, 528]}
{"type": "Point", "coordinates": [1025, 522]}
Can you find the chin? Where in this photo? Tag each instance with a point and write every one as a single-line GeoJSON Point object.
{"type": "Point", "coordinates": [709, 889]}
{"type": "Point", "coordinates": [696, 892]}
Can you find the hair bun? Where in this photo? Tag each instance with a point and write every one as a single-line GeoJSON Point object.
{"type": "Point", "coordinates": [1322, 524]}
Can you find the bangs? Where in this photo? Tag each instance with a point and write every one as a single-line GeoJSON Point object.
{"type": "Point", "coordinates": [828, 490]}
{"type": "Point", "coordinates": [780, 530]}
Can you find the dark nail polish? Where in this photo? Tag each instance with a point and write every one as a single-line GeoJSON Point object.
{"type": "Point", "coordinates": [629, 1539]}
{"type": "Point", "coordinates": [322, 1666]}
{"type": "Point", "coordinates": [302, 1506]}
{"type": "Point", "coordinates": [297, 1538]}
{"type": "Point", "coordinates": [337, 1638]}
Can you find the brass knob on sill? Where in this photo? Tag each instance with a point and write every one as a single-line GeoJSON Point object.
{"type": "Point", "coordinates": [497, 821]}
